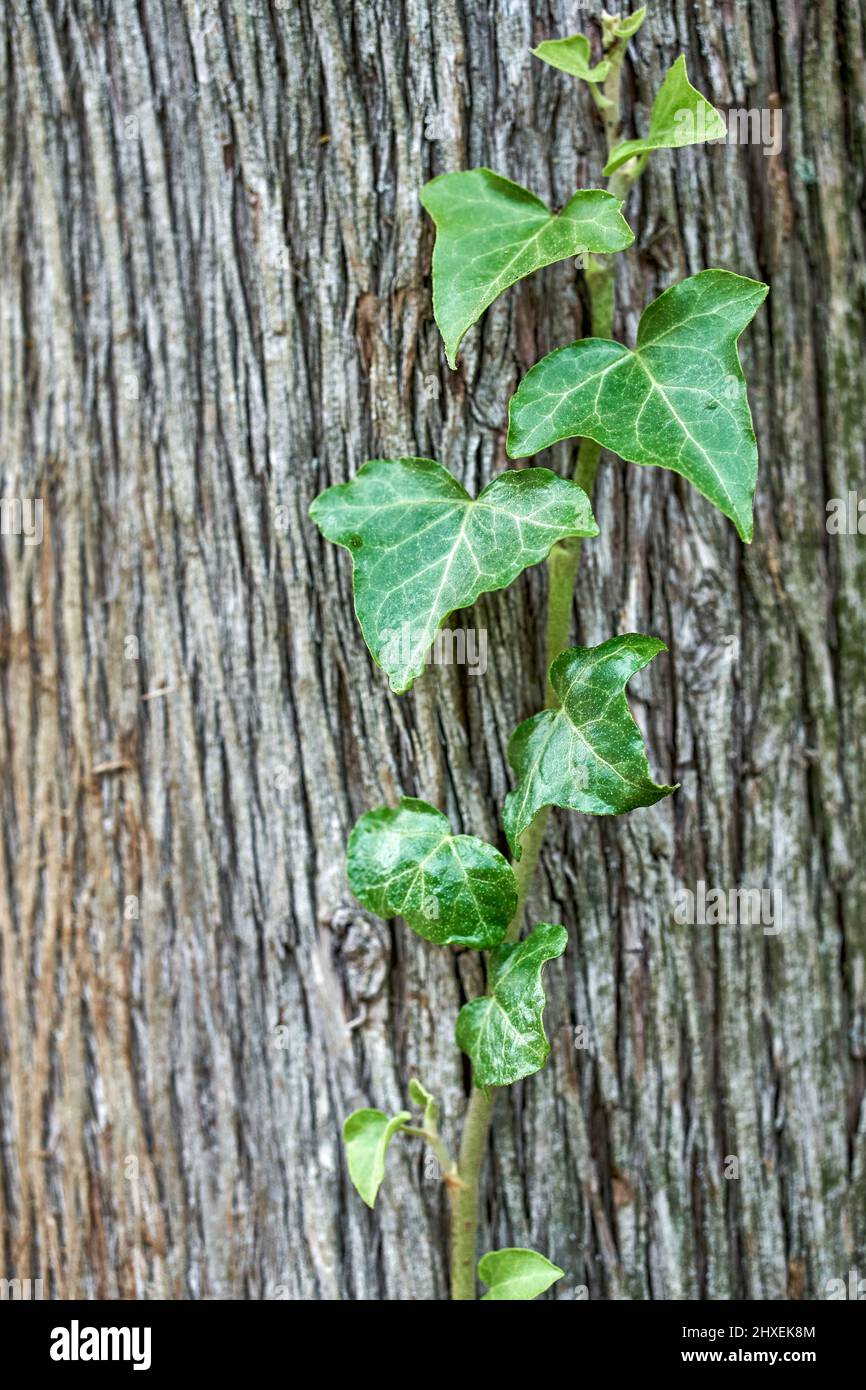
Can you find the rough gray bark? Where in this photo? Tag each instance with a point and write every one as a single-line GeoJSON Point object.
{"type": "Point", "coordinates": [214, 303]}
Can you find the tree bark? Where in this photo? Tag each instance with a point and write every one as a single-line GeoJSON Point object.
{"type": "Point", "coordinates": [216, 302]}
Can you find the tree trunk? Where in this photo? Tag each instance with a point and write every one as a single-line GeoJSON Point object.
{"type": "Point", "coordinates": [216, 302]}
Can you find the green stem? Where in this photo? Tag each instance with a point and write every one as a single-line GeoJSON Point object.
{"type": "Point", "coordinates": [524, 868]}
{"type": "Point", "coordinates": [564, 559]}
{"type": "Point", "coordinates": [464, 1198]}
{"type": "Point", "coordinates": [562, 568]}
{"type": "Point", "coordinates": [437, 1145]}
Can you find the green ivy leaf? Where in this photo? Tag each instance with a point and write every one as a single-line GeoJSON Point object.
{"type": "Point", "coordinates": [627, 27]}
{"type": "Point", "coordinates": [502, 1031]}
{"type": "Point", "coordinates": [454, 890]}
{"type": "Point", "coordinates": [680, 116]}
{"type": "Point", "coordinates": [490, 233]}
{"type": "Point", "coordinates": [587, 755]}
{"type": "Point", "coordinates": [367, 1134]}
{"type": "Point", "coordinates": [422, 547]}
{"type": "Point", "coordinates": [572, 55]}
{"type": "Point", "coordinates": [677, 401]}
{"type": "Point", "coordinates": [516, 1274]}
{"type": "Point", "coordinates": [419, 1095]}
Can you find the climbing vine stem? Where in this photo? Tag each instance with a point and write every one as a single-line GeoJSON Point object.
{"type": "Point", "coordinates": [562, 568]}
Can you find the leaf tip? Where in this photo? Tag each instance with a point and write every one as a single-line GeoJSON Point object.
{"type": "Point", "coordinates": [418, 1092]}
{"type": "Point", "coordinates": [400, 685]}
{"type": "Point", "coordinates": [514, 445]}
{"type": "Point", "coordinates": [314, 511]}
{"type": "Point", "coordinates": [513, 839]}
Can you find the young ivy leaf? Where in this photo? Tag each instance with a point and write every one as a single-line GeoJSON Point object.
{"type": "Point", "coordinates": [502, 1032]}
{"type": "Point", "coordinates": [677, 401]}
{"type": "Point", "coordinates": [490, 233]}
{"type": "Point", "coordinates": [628, 25]}
{"type": "Point", "coordinates": [587, 755]}
{"type": "Point", "coordinates": [419, 1095]}
{"type": "Point", "coordinates": [454, 890]}
{"type": "Point", "coordinates": [680, 116]}
{"type": "Point", "coordinates": [572, 55]}
{"type": "Point", "coordinates": [422, 547]}
{"type": "Point", "coordinates": [515, 1274]}
{"type": "Point", "coordinates": [367, 1134]}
